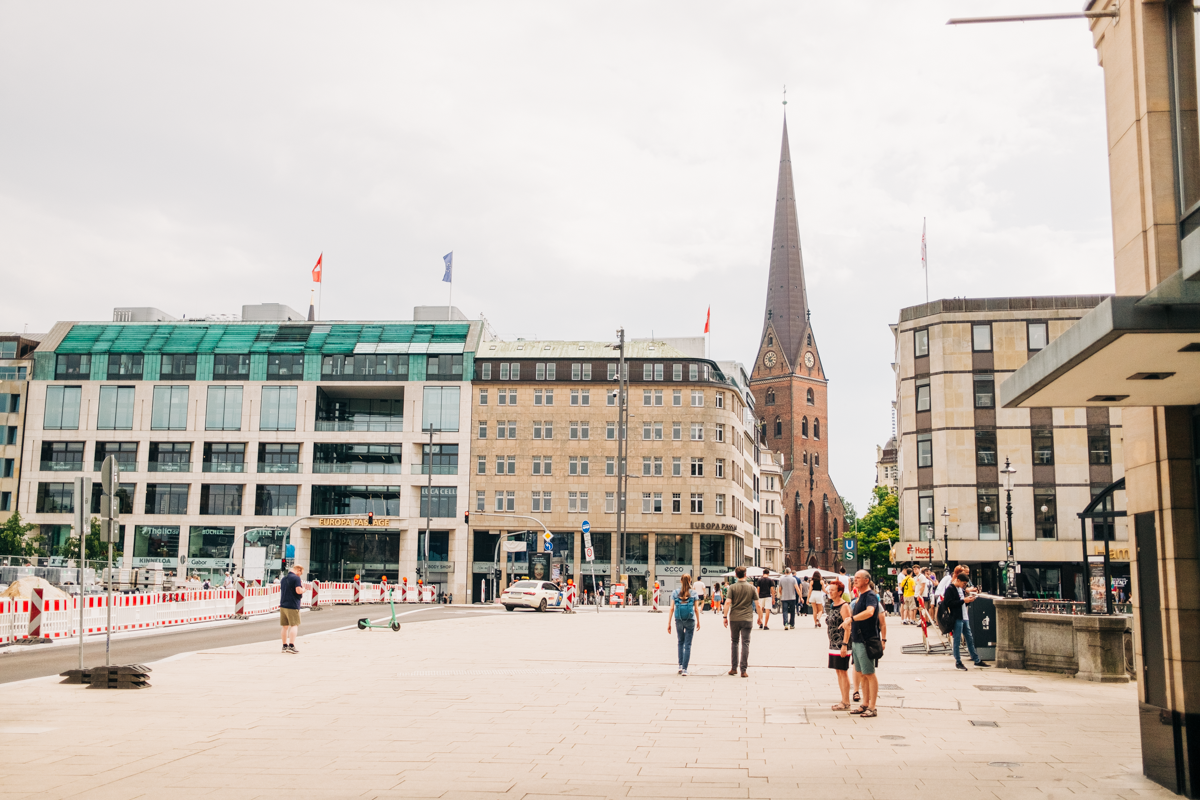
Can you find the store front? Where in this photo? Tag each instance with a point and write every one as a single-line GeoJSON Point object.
{"type": "Point", "coordinates": [338, 554]}
{"type": "Point", "coordinates": [209, 550]}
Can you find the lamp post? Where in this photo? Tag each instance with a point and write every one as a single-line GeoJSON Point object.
{"type": "Point", "coordinates": [945, 539]}
{"type": "Point", "coordinates": [1008, 472]}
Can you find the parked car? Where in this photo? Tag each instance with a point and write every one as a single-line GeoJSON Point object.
{"type": "Point", "coordinates": [531, 594]}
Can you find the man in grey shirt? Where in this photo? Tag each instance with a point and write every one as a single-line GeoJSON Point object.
{"type": "Point", "coordinates": [789, 591]}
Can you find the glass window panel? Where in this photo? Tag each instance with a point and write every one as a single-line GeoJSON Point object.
{"type": "Point", "coordinates": [981, 338]}
{"type": "Point", "coordinates": [1037, 335]}
{"type": "Point", "coordinates": [985, 391]}
{"type": "Point", "coordinates": [921, 343]}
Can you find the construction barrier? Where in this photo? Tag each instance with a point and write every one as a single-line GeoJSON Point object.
{"type": "Point", "coordinates": [569, 597]}
{"type": "Point", "coordinates": [357, 589]}
{"type": "Point", "coordinates": [50, 619]}
{"type": "Point", "coordinates": [657, 590]}
{"type": "Point", "coordinates": [14, 613]}
{"type": "Point", "coordinates": [239, 602]}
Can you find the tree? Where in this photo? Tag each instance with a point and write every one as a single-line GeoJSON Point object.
{"type": "Point", "coordinates": [13, 539]}
{"type": "Point", "coordinates": [851, 513]}
{"type": "Point", "coordinates": [96, 549]}
{"type": "Point", "coordinates": [878, 528]}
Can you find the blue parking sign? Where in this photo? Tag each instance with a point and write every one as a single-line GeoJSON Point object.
{"type": "Point", "coordinates": [587, 527]}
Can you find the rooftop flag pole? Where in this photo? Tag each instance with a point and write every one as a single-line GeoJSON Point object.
{"type": "Point", "coordinates": [449, 278]}
{"type": "Point", "coordinates": [317, 273]}
{"type": "Point", "coordinates": [924, 259]}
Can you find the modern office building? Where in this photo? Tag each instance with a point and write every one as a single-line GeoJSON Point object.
{"type": "Point", "coordinates": [235, 438]}
{"type": "Point", "coordinates": [545, 445]}
{"type": "Point", "coordinates": [790, 385]}
{"type": "Point", "coordinates": [15, 366]}
{"type": "Point", "coordinates": [954, 440]}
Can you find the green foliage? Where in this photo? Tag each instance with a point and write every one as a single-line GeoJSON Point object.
{"type": "Point", "coordinates": [877, 530]}
{"type": "Point", "coordinates": [96, 549]}
{"type": "Point", "coordinates": [13, 538]}
{"type": "Point", "coordinates": [851, 512]}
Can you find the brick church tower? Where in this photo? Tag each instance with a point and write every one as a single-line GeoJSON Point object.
{"type": "Point", "coordinates": [790, 388]}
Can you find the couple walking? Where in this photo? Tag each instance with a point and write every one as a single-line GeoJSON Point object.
{"type": "Point", "coordinates": [741, 605]}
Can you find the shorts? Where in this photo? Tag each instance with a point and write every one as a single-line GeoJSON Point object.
{"type": "Point", "coordinates": [289, 617]}
{"type": "Point", "coordinates": [766, 603]}
{"type": "Point", "coordinates": [839, 661]}
{"type": "Point", "coordinates": [864, 665]}
{"type": "Point", "coordinates": [817, 598]}
{"type": "Point", "coordinates": [910, 603]}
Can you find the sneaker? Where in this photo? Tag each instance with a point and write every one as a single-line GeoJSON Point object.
{"type": "Point", "coordinates": [683, 672]}
{"type": "Point", "coordinates": [680, 670]}
{"type": "Point", "coordinates": [285, 649]}
{"type": "Point", "coordinates": [959, 665]}
{"type": "Point", "coordinates": [982, 664]}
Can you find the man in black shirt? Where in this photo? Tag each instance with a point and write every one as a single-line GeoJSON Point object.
{"type": "Point", "coordinates": [766, 590]}
{"type": "Point", "coordinates": [291, 591]}
{"type": "Point", "coordinates": [867, 622]}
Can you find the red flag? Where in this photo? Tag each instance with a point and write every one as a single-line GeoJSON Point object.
{"type": "Point", "coordinates": [317, 269]}
{"type": "Point", "coordinates": [708, 319]}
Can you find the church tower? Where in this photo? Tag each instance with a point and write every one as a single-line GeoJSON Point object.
{"type": "Point", "coordinates": [790, 389]}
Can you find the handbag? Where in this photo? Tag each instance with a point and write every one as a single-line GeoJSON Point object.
{"type": "Point", "coordinates": [945, 622]}
{"type": "Point", "coordinates": [874, 647]}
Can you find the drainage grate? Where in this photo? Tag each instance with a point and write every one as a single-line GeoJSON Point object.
{"type": "Point", "coordinates": [990, 688]}
{"type": "Point", "coordinates": [646, 691]}
{"type": "Point", "coordinates": [1004, 764]}
{"type": "Point", "coordinates": [984, 723]}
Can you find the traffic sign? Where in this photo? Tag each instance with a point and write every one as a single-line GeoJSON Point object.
{"type": "Point", "coordinates": [589, 554]}
{"type": "Point", "coordinates": [587, 526]}
{"type": "Point", "coordinates": [549, 546]}
{"type": "Point", "coordinates": [850, 543]}
{"type": "Point", "coordinates": [547, 536]}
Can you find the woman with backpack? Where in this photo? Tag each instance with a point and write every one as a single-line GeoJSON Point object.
{"type": "Point", "coordinates": [685, 613]}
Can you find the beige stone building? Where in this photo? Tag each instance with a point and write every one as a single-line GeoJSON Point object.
{"type": "Point", "coordinates": [953, 441]}
{"type": "Point", "coordinates": [545, 445]}
{"type": "Point", "coordinates": [887, 470]}
{"type": "Point", "coordinates": [770, 481]}
{"type": "Point", "coordinates": [16, 366]}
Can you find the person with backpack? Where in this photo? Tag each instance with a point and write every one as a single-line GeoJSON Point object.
{"type": "Point", "coordinates": [685, 613]}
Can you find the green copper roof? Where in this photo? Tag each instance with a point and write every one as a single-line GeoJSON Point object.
{"type": "Point", "coordinates": [204, 337]}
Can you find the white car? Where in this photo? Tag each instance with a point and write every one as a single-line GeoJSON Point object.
{"type": "Point", "coordinates": [539, 595]}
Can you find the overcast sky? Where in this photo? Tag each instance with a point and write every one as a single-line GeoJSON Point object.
{"type": "Point", "coordinates": [590, 164]}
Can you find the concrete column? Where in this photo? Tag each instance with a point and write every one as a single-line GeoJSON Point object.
{"type": "Point", "coordinates": [1010, 632]}
{"type": "Point", "coordinates": [650, 561]}
{"type": "Point", "coordinates": [1100, 648]}
{"type": "Point", "coordinates": [577, 557]}
{"type": "Point", "coordinates": [614, 575]}
{"type": "Point", "coordinates": [696, 556]}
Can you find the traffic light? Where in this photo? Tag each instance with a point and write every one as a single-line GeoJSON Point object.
{"type": "Point", "coordinates": [466, 517]}
{"type": "Point", "coordinates": [370, 518]}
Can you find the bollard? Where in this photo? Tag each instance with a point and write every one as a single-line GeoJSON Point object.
{"type": "Point", "coordinates": [239, 599]}
{"type": "Point", "coordinates": [655, 609]}
{"type": "Point", "coordinates": [404, 590]}
{"type": "Point", "coordinates": [316, 598]}
{"type": "Point", "coordinates": [36, 618]}
{"type": "Point", "coordinates": [357, 590]}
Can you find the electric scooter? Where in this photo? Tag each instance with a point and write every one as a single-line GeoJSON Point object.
{"type": "Point", "coordinates": [365, 622]}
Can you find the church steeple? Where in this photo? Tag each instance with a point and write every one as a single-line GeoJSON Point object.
{"type": "Point", "coordinates": [787, 300]}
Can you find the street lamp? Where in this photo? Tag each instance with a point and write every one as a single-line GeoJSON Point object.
{"type": "Point", "coordinates": [945, 539]}
{"type": "Point", "coordinates": [1008, 472]}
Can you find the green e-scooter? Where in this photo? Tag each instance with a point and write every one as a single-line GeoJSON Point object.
{"type": "Point", "coordinates": [365, 622]}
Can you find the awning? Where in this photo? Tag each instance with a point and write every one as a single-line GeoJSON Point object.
{"type": "Point", "coordinates": [1126, 352]}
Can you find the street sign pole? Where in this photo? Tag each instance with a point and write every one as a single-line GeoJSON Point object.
{"type": "Point", "coordinates": [110, 529]}
{"type": "Point", "coordinates": [83, 494]}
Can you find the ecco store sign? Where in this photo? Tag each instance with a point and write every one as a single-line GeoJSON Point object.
{"type": "Point", "coordinates": [714, 526]}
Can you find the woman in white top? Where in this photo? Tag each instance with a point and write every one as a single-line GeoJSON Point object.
{"type": "Point", "coordinates": [816, 599]}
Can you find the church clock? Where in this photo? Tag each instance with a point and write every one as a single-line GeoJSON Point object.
{"type": "Point", "coordinates": [809, 360]}
{"type": "Point", "coordinates": [769, 359]}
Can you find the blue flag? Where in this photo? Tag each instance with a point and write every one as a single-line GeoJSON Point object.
{"type": "Point", "coordinates": [449, 259]}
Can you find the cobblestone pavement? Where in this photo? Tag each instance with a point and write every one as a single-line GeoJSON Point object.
{"type": "Point", "coordinates": [528, 705]}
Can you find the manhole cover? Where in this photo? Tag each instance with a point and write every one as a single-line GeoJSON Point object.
{"type": "Point", "coordinates": [890, 687]}
{"type": "Point", "coordinates": [893, 738]}
{"type": "Point", "coordinates": [1004, 764]}
{"type": "Point", "coordinates": [984, 723]}
{"type": "Point", "coordinates": [646, 691]}
{"type": "Point", "coordinates": [990, 688]}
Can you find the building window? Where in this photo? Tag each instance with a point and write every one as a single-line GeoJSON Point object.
{"type": "Point", "coordinates": [285, 366]}
{"type": "Point", "coordinates": [985, 448]}
{"type": "Point", "coordinates": [276, 501]}
{"type": "Point", "coordinates": [1038, 335]}
{"type": "Point", "coordinates": [481, 465]}
{"type": "Point", "coordinates": [677, 466]}
{"type": "Point", "coordinates": [693, 372]}
{"type": "Point", "coordinates": [535, 501]}
{"type": "Point", "coordinates": [677, 431]}
{"type": "Point", "coordinates": [485, 371]}
{"type": "Point", "coordinates": [223, 410]}
{"type": "Point", "coordinates": [677, 397]}
{"type": "Point", "coordinates": [697, 431]}
{"type": "Point", "coordinates": [803, 427]}
{"type": "Point", "coordinates": [278, 412]}
{"type": "Point", "coordinates": [697, 399]}
{"type": "Point", "coordinates": [676, 503]}
{"type": "Point", "coordinates": [62, 457]}
{"type": "Point", "coordinates": [483, 397]}
{"type": "Point", "coordinates": [697, 503]}
{"type": "Point", "coordinates": [1043, 446]}
{"type": "Point", "coordinates": [1099, 445]}
{"type": "Point", "coordinates": [129, 366]}
{"type": "Point", "coordinates": [220, 499]}
{"type": "Point", "coordinates": [503, 374]}
{"type": "Point", "coordinates": [125, 454]}
{"type": "Point", "coordinates": [981, 338]}
{"type": "Point", "coordinates": [985, 391]}
{"type": "Point", "coordinates": [170, 408]}
{"type": "Point", "coordinates": [921, 343]}
{"type": "Point", "coordinates": [445, 367]}
{"type": "Point", "coordinates": [922, 394]}
{"type": "Point", "coordinates": [778, 427]}
{"type": "Point", "coordinates": [175, 367]}
{"type": "Point", "coordinates": [697, 467]}
{"type": "Point", "coordinates": [170, 457]}
{"type": "Point", "coordinates": [506, 429]}
{"type": "Point", "coordinates": [816, 429]}
{"type": "Point", "coordinates": [439, 501]}
{"type": "Point", "coordinates": [989, 513]}
{"type": "Point", "coordinates": [610, 465]}
{"type": "Point", "coordinates": [719, 400]}
{"type": "Point", "coordinates": [439, 409]}
{"type": "Point", "coordinates": [166, 498]}
{"type": "Point", "coordinates": [925, 511]}
{"type": "Point", "coordinates": [480, 500]}
{"type": "Point", "coordinates": [55, 498]}
{"type": "Point", "coordinates": [344, 500]}
{"type": "Point", "coordinates": [116, 408]}
{"type": "Point", "coordinates": [720, 507]}
{"type": "Point", "coordinates": [5, 501]}
{"type": "Point", "coordinates": [230, 366]}
{"type": "Point", "coordinates": [719, 470]}
{"type": "Point", "coordinates": [483, 429]}
{"type": "Point", "coordinates": [677, 372]}
{"type": "Point", "coordinates": [925, 450]}
{"type": "Point", "coordinates": [278, 457]}
{"type": "Point", "coordinates": [770, 397]}
{"type": "Point", "coordinates": [1045, 514]}
{"type": "Point", "coordinates": [73, 367]}
{"type": "Point", "coordinates": [226, 456]}
{"type": "Point", "coordinates": [62, 408]}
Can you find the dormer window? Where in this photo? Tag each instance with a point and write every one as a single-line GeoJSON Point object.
{"type": "Point", "coordinates": [809, 340]}
{"type": "Point", "coordinates": [770, 340]}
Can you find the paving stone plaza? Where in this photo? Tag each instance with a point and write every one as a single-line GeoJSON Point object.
{"type": "Point", "coordinates": [527, 705]}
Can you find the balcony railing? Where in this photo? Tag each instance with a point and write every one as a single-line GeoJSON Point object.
{"type": "Point", "coordinates": [126, 466]}
{"type": "Point", "coordinates": [170, 466]}
{"type": "Point", "coordinates": [277, 468]}
{"type": "Point", "coordinates": [358, 469]}
{"type": "Point", "coordinates": [344, 425]}
{"type": "Point", "coordinates": [436, 469]}
{"type": "Point", "coordinates": [221, 466]}
{"type": "Point", "coordinates": [62, 466]}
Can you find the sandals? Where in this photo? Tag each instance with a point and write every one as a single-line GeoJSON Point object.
{"type": "Point", "coordinates": [841, 707]}
{"type": "Point", "coordinates": [860, 710]}
{"type": "Point", "coordinates": [856, 697]}
{"type": "Point", "coordinates": [870, 712]}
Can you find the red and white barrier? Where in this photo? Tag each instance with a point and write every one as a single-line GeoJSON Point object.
{"type": "Point", "coordinates": [569, 598]}
{"type": "Point", "coordinates": [357, 588]}
{"type": "Point", "coordinates": [14, 613]}
{"type": "Point", "coordinates": [50, 619]}
{"type": "Point", "coordinates": [657, 590]}
{"type": "Point", "coordinates": [239, 598]}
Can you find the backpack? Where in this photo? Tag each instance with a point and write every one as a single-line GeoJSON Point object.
{"type": "Point", "coordinates": [945, 621]}
{"type": "Point", "coordinates": [684, 609]}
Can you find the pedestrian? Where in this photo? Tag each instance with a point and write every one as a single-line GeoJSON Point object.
{"type": "Point", "coordinates": [816, 599]}
{"type": "Point", "coordinates": [685, 613]}
{"type": "Point", "coordinates": [766, 589]}
{"type": "Point", "coordinates": [868, 639]}
{"type": "Point", "coordinates": [291, 591]}
{"type": "Point", "coordinates": [206, 585]}
{"type": "Point", "coordinates": [908, 588]}
{"type": "Point", "coordinates": [717, 601]}
{"type": "Point", "coordinates": [703, 590]}
{"type": "Point", "coordinates": [789, 591]}
{"type": "Point", "coordinates": [888, 601]}
{"type": "Point", "coordinates": [837, 626]}
{"type": "Point", "coordinates": [805, 591]}
{"type": "Point", "coordinates": [956, 600]}
{"type": "Point", "coordinates": [741, 603]}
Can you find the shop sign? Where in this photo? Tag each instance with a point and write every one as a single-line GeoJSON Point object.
{"type": "Point", "coordinates": [635, 569]}
{"type": "Point", "coordinates": [482, 566]}
{"type": "Point", "coordinates": [595, 568]}
{"type": "Point", "coordinates": [1114, 553]}
{"type": "Point", "coordinates": [440, 566]}
{"type": "Point", "coordinates": [341, 522]}
{"type": "Point", "coordinates": [714, 526]}
{"type": "Point", "coordinates": [916, 551]}
{"type": "Point", "coordinates": [713, 569]}
{"type": "Point", "coordinates": [141, 561]}
{"type": "Point", "coordinates": [515, 547]}
{"type": "Point", "coordinates": [671, 569]}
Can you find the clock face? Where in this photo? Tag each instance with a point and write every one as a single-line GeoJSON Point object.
{"type": "Point", "coordinates": [809, 360]}
{"type": "Point", "coordinates": [769, 359]}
